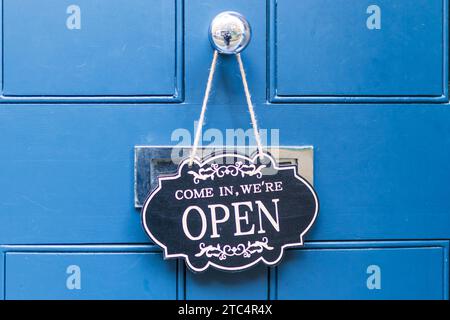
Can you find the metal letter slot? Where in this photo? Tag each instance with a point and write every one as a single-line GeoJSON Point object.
{"type": "Point", "coordinates": [151, 161]}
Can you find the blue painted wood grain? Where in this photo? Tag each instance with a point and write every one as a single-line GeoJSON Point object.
{"type": "Point", "coordinates": [324, 270]}
{"type": "Point", "coordinates": [323, 51]}
{"type": "Point", "coordinates": [125, 275]}
{"type": "Point", "coordinates": [381, 169]}
{"type": "Point", "coordinates": [405, 273]}
{"type": "Point", "coordinates": [2, 275]}
{"type": "Point", "coordinates": [122, 49]}
{"type": "Point", "coordinates": [217, 285]}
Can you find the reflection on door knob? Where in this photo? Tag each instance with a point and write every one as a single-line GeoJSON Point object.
{"type": "Point", "coordinates": [229, 32]}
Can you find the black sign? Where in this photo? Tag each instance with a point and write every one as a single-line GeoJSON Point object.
{"type": "Point", "coordinates": [230, 212]}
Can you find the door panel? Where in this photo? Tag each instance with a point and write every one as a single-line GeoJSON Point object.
{"type": "Point", "coordinates": [347, 50]}
{"type": "Point", "coordinates": [91, 48]}
{"type": "Point", "coordinates": [375, 273]}
{"type": "Point", "coordinates": [89, 276]}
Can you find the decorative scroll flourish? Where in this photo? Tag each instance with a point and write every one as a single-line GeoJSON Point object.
{"type": "Point", "coordinates": [219, 171]}
{"type": "Point", "coordinates": [239, 250]}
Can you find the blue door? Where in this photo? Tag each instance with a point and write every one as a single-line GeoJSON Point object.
{"type": "Point", "coordinates": [363, 84]}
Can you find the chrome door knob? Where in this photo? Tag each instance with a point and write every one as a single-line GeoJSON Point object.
{"type": "Point", "coordinates": [229, 32]}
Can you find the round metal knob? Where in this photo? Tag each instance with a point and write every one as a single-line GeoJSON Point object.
{"type": "Point", "coordinates": [229, 32]}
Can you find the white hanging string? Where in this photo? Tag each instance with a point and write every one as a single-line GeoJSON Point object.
{"type": "Point", "coordinates": [250, 106]}
{"type": "Point", "coordinates": [205, 104]}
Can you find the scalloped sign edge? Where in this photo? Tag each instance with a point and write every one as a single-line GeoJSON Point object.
{"type": "Point", "coordinates": [203, 163]}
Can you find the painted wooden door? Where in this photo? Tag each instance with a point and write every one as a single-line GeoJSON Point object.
{"type": "Point", "coordinates": [85, 81]}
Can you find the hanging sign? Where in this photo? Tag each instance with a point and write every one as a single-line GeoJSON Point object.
{"type": "Point", "coordinates": [230, 211]}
